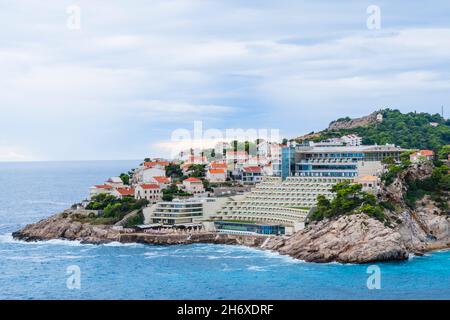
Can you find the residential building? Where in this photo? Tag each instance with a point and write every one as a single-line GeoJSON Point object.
{"type": "Point", "coordinates": [216, 175]}
{"type": "Point", "coordinates": [149, 173]}
{"type": "Point", "coordinates": [114, 182]}
{"type": "Point", "coordinates": [101, 188]}
{"type": "Point", "coordinates": [236, 156]}
{"type": "Point", "coordinates": [421, 155]}
{"type": "Point", "coordinates": [162, 181]}
{"type": "Point", "coordinates": [194, 186]}
{"type": "Point", "coordinates": [123, 192]}
{"type": "Point", "coordinates": [369, 183]}
{"type": "Point", "coordinates": [352, 140]}
{"type": "Point", "coordinates": [156, 163]}
{"type": "Point", "coordinates": [148, 191]}
{"type": "Point", "coordinates": [251, 175]}
{"type": "Point", "coordinates": [267, 170]}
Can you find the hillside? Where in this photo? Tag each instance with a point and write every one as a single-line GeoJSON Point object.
{"type": "Point", "coordinates": [411, 130]}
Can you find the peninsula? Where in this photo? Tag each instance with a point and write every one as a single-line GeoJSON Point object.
{"type": "Point", "coordinates": [344, 200]}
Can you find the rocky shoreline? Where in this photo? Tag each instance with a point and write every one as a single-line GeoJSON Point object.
{"type": "Point", "coordinates": [349, 239]}
{"type": "Point", "coordinates": [353, 238]}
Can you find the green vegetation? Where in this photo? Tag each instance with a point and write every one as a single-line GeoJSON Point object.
{"type": "Point", "coordinates": [437, 186]}
{"type": "Point", "coordinates": [349, 199]}
{"type": "Point", "coordinates": [394, 169]}
{"type": "Point", "coordinates": [125, 177]}
{"type": "Point", "coordinates": [444, 152]}
{"type": "Point", "coordinates": [174, 171]}
{"type": "Point", "coordinates": [172, 191]}
{"type": "Point", "coordinates": [197, 170]}
{"type": "Point", "coordinates": [411, 130]}
{"type": "Point", "coordinates": [248, 146]}
{"type": "Point", "coordinates": [113, 209]}
{"type": "Point", "coordinates": [135, 220]}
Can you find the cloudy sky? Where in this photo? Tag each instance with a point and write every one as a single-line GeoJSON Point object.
{"type": "Point", "coordinates": [138, 70]}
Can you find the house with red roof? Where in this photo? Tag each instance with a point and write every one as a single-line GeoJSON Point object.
{"type": "Point", "coordinates": [162, 181]}
{"type": "Point", "coordinates": [216, 175]}
{"type": "Point", "coordinates": [236, 156]}
{"type": "Point", "coordinates": [123, 192]}
{"type": "Point", "coordinates": [100, 188]}
{"type": "Point", "coordinates": [251, 175]}
{"type": "Point", "coordinates": [421, 155]}
{"type": "Point", "coordinates": [194, 186]}
{"type": "Point", "coordinates": [149, 191]}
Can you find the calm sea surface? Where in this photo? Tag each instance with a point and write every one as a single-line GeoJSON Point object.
{"type": "Point", "coordinates": [32, 191]}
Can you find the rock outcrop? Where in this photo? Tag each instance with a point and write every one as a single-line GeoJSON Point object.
{"type": "Point", "coordinates": [353, 123]}
{"type": "Point", "coordinates": [349, 239]}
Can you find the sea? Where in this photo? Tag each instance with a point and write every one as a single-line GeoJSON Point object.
{"type": "Point", "coordinates": [60, 269]}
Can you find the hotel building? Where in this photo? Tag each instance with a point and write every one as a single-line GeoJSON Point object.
{"type": "Point", "coordinates": [305, 173]}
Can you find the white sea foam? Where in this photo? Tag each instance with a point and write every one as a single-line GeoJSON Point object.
{"type": "Point", "coordinates": [49, 202]}
{"type": "Point", "coordinates": [120, 244]}
{"type": "Point", "coordinates": [8, 238]}
{"type": "Point", "coordinates": [256, 268]}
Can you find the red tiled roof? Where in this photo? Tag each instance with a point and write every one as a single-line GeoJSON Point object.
{"type": "Point", "coordinates": [192, 179]}
{"type": "Point", "coordinates": [147, 186]}
{"type": "Point", "coordinates": [162, 179]}
{"type": "Point", "coordinates": [103, 186]}
{"type": "Point", "coordinates": [126, 191]}
{"type": "Point", "coordinates": [154, 163]}
{"type": "Point", "coordinates": [426, 153]}
{"type": "Point", "coordinates": [252, 169]}
{"type": "Point", "coordinates": [216, 171]}
{"type": "Point", "coordinates": [231, 153]}
{"type": "Point", "coordinates": [218, 165]}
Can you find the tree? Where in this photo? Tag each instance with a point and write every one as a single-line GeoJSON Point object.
{"type": "Point", "coordinates": [174, 171]}
{"type": "Point", "coordinates": [197, 170]}
{"type": "Point", "coordinates": [444, 152]}
{"type": "Point", "coordinates": [125, 178]}
{"type": "Point", "coordinates": [349, 199]}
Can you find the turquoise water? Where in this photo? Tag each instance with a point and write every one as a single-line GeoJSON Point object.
{"type": "Point", "coordinates": [32, 191]}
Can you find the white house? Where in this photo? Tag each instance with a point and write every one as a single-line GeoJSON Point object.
{"type": "Point", "coordinates": [115, 182]}
{"type": "Point", "coordinates": [101, 188]}
{"type": "Point", "coordinates": [369, 183]}
{"type": "Point", "coordinates": [163, 182]}
{"type": "Point", "coordinates": [251, 175]}
{"type": "Point", "coordinates": [267, 170]}
{"type": "Point", "coordinates": [193, 186]}
{"type": "Point", "coordinates": [352, 140]}
{"type": "Point", "coordinates": [123, 192]}
{"type": "Point", "coordinates": [236, 156]}
{"type": "Point", "coordinates": [421, 155]}
{"type": "Point", "coordinates": [148, 191]}
{"type": "Point", "coordinates": [148, 174]}
{"type": "Point", "coordinates": [216, 175]}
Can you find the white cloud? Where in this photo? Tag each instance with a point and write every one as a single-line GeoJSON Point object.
{"type": "Point", "coordinates": [134, 72]}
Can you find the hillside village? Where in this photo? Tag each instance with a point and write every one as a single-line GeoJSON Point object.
{"type": "Point", "coordinates": [262, 186]}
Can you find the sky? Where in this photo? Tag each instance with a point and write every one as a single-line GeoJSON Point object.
{"type": "Point", "coordinates": [119, 83]}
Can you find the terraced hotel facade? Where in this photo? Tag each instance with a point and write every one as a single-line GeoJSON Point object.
{"type": "Point", "coordinates": [306, 172]}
